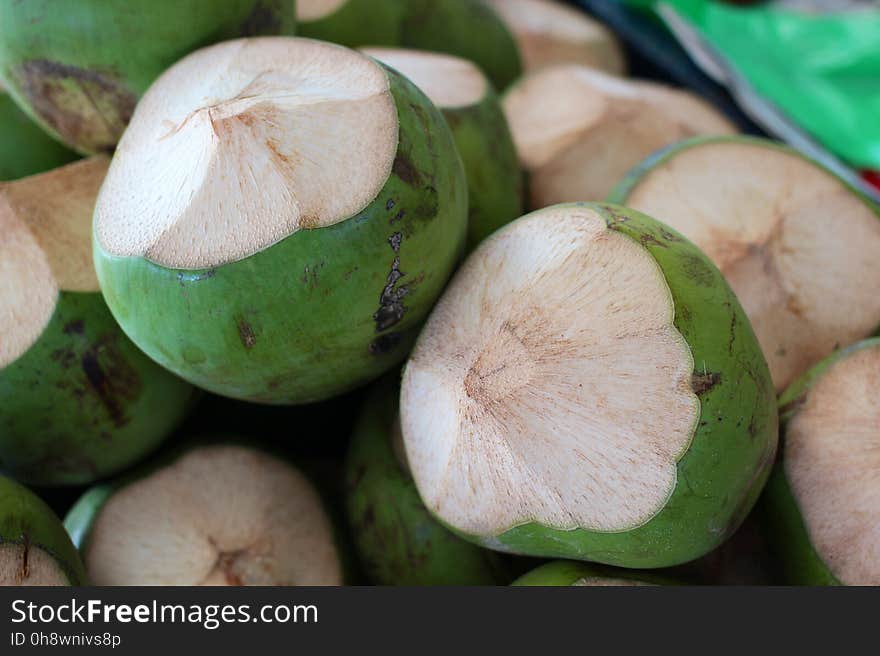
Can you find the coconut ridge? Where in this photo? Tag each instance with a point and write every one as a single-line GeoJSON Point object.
{"type": "Point", "coordinates": [494, 411]}
{"type": "Point", "coordinates": [317, 123]}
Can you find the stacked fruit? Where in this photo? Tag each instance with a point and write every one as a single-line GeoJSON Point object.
{"type": "Point", "coordinates": [284, 221]}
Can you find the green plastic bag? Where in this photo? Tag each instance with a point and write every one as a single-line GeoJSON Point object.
{"type": "Point", "coordinates": [821, 69]}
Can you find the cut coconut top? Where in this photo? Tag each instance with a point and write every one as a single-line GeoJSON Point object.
{"type": "Point", "coordinates": [312, 10]}
{"type": "Point", "coordinates": [796, 245]}
{"type": "Point", "coordinates": [832, 460]}
{"type": "Point", "coordinates": [689, 111]}
{"type": "Point", "coordinates": [590, 168]}
{"type": "Point", "coordinates": [554, 109]}
{"type": "Point", "coordinates": [45, 246]}
{"type": "Point", "coordinates": [219, 515]}
{"type": "Point", "coordinates": [550, 33]}
{"type": "Point", "coordinates": [244, 143]}
{"type": "Point", "coordinates": [448, 81]}
{"type": "Point", "coordinates": [550, 384]}
{"type": "Point", "coordinates": [24, 564]}
{"type": "Point", "coordinates": [549, 110]}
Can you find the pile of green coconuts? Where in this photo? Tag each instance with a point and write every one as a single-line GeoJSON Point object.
{"type": "Point", "coordinates": [558, 326]}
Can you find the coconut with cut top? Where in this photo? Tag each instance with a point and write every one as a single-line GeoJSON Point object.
{"type": "Point", "coordinates": [279, 218]}
{"type": "Point", "coordinates": [548, 33]}
{"type": "Point", "coordinates": [821, 506]}
{"type": "Point", "coordinates": [588, 387]}
{"type": "Point", "coordinates": [78, 68]}
{"type": "Point", "coordinates": [35, 550]}
{"type": "Point", "coordinates": [78, 400]}
{"type": "Point", "coordinates": [797, 245]}
{"type": "Point", "coordinates": [214, 514]}
{"type": "Point", "coordinates": [397, 540]}
{"type": "Point", "coordinates": [570, 573]}
{"type": "Point", "coordinates": [473, 112]}
{"type": "Point", "coordinates": [470, 29]}
{"type": "Point", "coordinates": [578, 131]}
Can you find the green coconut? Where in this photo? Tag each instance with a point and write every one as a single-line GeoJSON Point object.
{"type": "Point", "coordinates": [465, 28]}
{"type": "Point", "coordinates": [214, 514]}
{"type": "Point", "coordinates": [397, 540]}
{"type": "Point", "coordinates": [796, 243]}
{"type": "Point", "coordinates": [283, 240]}
{"type": "Point", "coordinates": [78, 400]}
{"type": "Point", "coordinates": [34, 547]}
{"type": "Point", "coordinates": [578, 131]}
{"type": "Point", "coordinates": [473, 112]}
{"type": "Point", "coordinates": [549, 33]}
{"type": "Point", "coordinates": [24, 148]}
{"type": "Point", "coordinates": [78, 68]}
{"type": "Point", "coordinates": [820, 509]}
{"type": "Point", "coordinates": [588, 387]}
{"type": "Point", "coordinates": [567, 573]}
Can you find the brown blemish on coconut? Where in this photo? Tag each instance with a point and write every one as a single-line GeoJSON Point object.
{"type": "Point", "coordinates": [25, 564]}
{"type": "Point", "coordinates": [391, 300]}
{"type": "Point", "coordinates": [246, 334]}
{"type": "Point", "coordinates": [111, 378]}
{"type": "Point", "coordinates": [88, 108]}
{"type": "Point", "coordinates": [405, 170]}
{"type": "Point", "coordinates": [648, 239]}
{"type": "Point", "coordinates": [703, 382]}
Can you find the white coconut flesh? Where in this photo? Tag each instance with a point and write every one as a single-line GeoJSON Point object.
{"type": "Point", "coordinates": [45, 247]}
{"type": "Point", "coordinates": [550, 384]}
{"type": "Point", "coordinates": [449, 82]}
{"type": "Point", "coordinates": [551, 33]}
{"type": "Point", "coordinates": [832, 463]}
{"type": "Point", "coordinates": [241, 144]}
{"type": "Point", "coordinates": [798, 248]}
{"type": "Point", "coordinates": [219, 515]}
{"type": "Point", "coordinates": [312, 10]}
{"type": "Point", "coordinates": [579, 131]}
{"type": "Point", "coordinates": [26, 565]}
